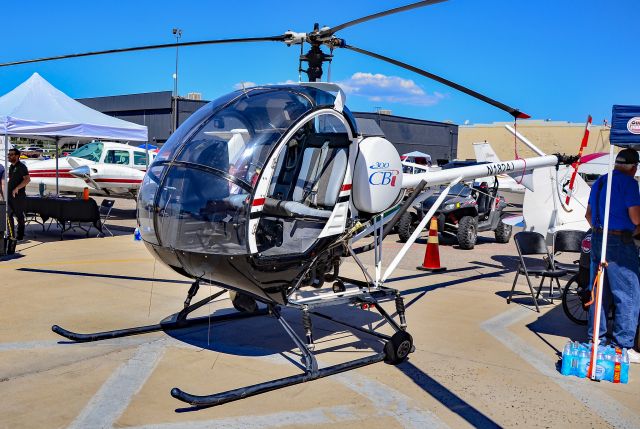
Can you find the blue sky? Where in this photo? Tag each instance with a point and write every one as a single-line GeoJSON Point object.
{"type": "Point", "coordinates": [559, 60]}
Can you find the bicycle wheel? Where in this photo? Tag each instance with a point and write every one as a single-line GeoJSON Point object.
{"type": "Point", "coordinates": [571, 303]}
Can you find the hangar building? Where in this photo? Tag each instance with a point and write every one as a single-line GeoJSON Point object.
{"type": "Point", "coordinates": [156, 111]}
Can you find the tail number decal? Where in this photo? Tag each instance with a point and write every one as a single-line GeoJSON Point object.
{"type": "Point", "coordinates": [494, 169]}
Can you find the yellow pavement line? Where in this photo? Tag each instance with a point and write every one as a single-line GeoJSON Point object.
{"type": "Point", "coordinates": [30, 264]}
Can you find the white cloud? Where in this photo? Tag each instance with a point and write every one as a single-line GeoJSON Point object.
{"type": "Point", "coordinates": [391, 89]}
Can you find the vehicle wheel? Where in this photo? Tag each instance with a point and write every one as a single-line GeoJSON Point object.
{"type": "Point", "coordinates": [398, 348]}
{"type": "Point", "coordinates": [572, 303]}
{"type": "Point", "coordinates": [503, 232]}
{"type": "Point", "coordinates": [405, 227]}
{"type": "Point", "coordinates": [467, 232]}
{"type": "Point", "coordinates": [243, 302]}
{"type": "Point", "coordinates": [339, 286]}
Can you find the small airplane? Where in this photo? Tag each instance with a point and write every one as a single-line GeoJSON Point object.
{"type": "Point", "coordinates": [265, 191]}
{"type": "Point", "coordinates": [108, 168]}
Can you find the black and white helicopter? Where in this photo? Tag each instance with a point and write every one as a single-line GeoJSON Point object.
{"type": "Point", "coordinates": [265, 191]}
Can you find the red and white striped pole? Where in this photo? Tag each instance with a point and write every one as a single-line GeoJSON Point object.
{"type": "Point", "coordinates": [585, 140]}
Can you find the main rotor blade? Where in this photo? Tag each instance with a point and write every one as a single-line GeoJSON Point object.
{"type": "Point", "coordinates": [148, 47]}
{"type": "Point", "coordinates": [512, 111]}
{"type": "Point", "coordinates": [337, 28]}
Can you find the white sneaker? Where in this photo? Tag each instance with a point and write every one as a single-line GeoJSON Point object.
{"type": "Point", "coordinates": [634, 356]}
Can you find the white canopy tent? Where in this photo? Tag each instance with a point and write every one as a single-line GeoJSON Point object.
{"type": "Point", "coordinates": [37, 109]}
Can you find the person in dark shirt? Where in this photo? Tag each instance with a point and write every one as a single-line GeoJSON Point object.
{"type": "Point", "coordinates": [621, 286]}
{"type": "Point", "coordinates": [17, 198]}
{"type": "Point", "coordinates": [2, 181]}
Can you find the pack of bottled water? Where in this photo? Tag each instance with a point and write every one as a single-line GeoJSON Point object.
{"type": "Point", "coordinates": [612, 363]}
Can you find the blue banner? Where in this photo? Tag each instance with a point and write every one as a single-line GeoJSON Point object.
{"type": "Point", "coordinates": [625, 126]}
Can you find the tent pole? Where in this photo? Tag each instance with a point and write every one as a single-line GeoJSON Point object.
{"type": "Point", "coordinates": [57, 166]}
{"type": "Point", "coordinates": [603, 258]}
{"type": "Point", "coordinates": [5, 184]}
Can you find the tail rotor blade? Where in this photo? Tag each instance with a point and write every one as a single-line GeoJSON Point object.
{"type": "Point", "coordinates": [281, 38]}
{"type": "Point", "coordinates": [512, 111]}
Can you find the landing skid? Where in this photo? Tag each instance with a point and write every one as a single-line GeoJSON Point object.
{"type": "Point", "coordinates": [396, 349]}
{"type": "Point", "coordinates": [176, 321]}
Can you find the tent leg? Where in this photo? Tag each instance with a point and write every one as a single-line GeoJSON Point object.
{"type": "Point", "coordinates": [5, 183]}
{"type": "Point", "coordinates": [57, 168]}
{"type": "Point", "coordinates": [603, 258]}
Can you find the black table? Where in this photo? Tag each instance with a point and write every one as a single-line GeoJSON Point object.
{"type": "Point", "coordinates": [70, 213]}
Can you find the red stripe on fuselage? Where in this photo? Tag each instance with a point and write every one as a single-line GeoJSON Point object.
{"type": "Point", "coordinates": [258, 202]}
{"type": "Point", "coordinates": [62, 170]}
{"type": "Point", "coordinates": [37, 174]}
{"type": "Point", "coordinates": [118, 180]}
{"type": "Point", "coordinates": [346, 187]}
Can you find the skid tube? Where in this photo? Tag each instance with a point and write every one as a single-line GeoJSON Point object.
{"type": "Point", "coordinates": [176, 321]}
{"type": "Point", "coordinates": [396, 349]}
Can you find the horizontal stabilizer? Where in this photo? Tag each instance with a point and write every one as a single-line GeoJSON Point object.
{"type": "Point", "coordinates": [516, 220]}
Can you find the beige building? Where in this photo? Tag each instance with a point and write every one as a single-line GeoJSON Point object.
{"type": "Point", "coordinates": [550, 136]}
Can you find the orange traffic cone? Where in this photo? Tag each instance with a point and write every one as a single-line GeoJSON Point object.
{"type": "Point", "coordinates": [432, 254]}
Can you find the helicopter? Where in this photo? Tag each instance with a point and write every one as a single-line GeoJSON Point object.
{"type": "Point", "coordinates": [265, 191]}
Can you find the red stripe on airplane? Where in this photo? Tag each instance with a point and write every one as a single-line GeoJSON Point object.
{"type": "Point", "coordinates": [45, 175]}
{"type": "Point", "coordinates": [346, 187]}
{"type": "Point", "coordinates": [258, 202]}
{"type": "Point", "coordinates": [35, 170]}
{"type": "Point", "coordinates": [118, 180]}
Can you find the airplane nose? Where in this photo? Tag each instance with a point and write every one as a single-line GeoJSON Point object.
{"type": "Point", "coordinates": [82, 172]}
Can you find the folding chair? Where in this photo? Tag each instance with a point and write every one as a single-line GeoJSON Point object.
{"type": "Point", "coordinates": [105, 211]}
{"type": "Point", "coordinates": [533, 243]}
{"type": "Point", "coordinates": [568, 241]}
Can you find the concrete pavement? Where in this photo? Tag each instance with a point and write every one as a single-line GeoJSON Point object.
{"type": "Point", "coordinates": [478, 361]}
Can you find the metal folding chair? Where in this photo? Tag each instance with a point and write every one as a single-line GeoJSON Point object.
{"type": "Point", "coordinates": [531, 243]}
{"type": "Point", "coordinates": [568, 241]}
{"type": "Point", "coordinates": [105, 212]}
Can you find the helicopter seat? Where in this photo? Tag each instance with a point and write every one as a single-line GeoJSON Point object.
{"type": "Point", "coordinates": [483, 199]}
{"type": "Point", "coordinates": [325, 191]}
{"type": "Point", "coordinates": [314, 196]}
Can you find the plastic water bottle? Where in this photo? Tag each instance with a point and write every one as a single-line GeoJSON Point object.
{"type": "Point", "coordinates": [136, 235]}
{"type": "Point", "coordinates": [624, 367]}
{"type": "Point", "coordinates": [583, 363]}
{"type": "Point", "coordinates": [600, 368]}
{"type": "Point", "coordinates": [568, 356]}
{"type": "Point", "coordinates": [608, 366]}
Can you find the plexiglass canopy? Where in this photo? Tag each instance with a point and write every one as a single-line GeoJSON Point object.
{"type": "Point", "coordinates": [195, 196]}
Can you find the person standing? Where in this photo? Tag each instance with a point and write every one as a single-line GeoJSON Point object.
{"type": "Point", "coordinates": [1, 181]}
{"type": "Point", "coordinates": [17, 198]}
{"type": "Point", "coordinates": [621, 286]}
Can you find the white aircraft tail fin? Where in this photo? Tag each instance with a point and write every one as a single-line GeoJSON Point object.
{"type": "Point", "coordinates": [485, 153]}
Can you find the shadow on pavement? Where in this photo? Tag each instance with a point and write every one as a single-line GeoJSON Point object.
{"type": "Point", "coordinates": [263, 335]}
{"type": "Point", "coordinates": [446, 397]}
{"type": "Point", "coordinates": [110, 276]}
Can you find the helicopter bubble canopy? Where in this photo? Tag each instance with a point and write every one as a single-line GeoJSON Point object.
{"type": "Point", "coordinates": [196, 196]}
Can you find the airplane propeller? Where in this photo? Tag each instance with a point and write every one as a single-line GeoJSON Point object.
{"type": "Point", "coordinates": [315, 57]}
